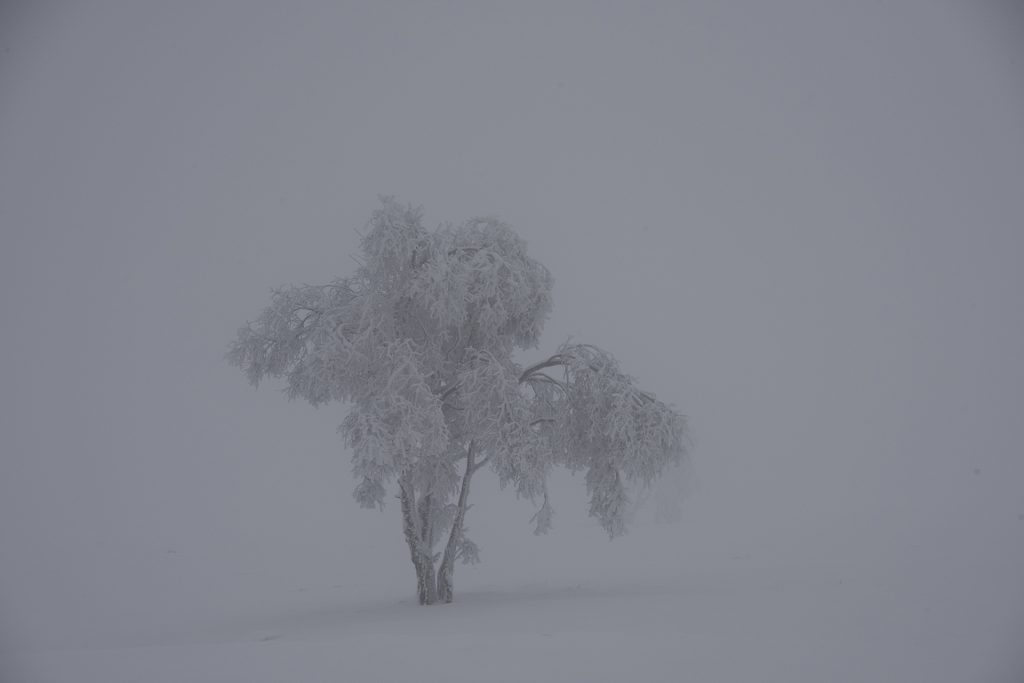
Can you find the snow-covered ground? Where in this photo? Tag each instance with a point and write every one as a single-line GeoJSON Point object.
{"type": "Point", "coordinates": [665, 603]}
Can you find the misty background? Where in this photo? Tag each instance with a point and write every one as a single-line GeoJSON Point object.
{"type": "Point", "coordinates": [801, 223]}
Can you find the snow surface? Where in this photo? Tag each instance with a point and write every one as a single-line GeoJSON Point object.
{"type": "Point", "coordinates": [661, 604]}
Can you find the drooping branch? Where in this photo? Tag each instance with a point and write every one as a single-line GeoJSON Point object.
{"type": "Point", "coordinates": [551, 362]}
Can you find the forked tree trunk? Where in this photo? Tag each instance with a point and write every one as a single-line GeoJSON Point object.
{"type": "Point", "coordinates": [433, 586]}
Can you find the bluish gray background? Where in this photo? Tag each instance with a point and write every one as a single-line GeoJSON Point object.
{"type": "Point", "coordinates": [800, 222]}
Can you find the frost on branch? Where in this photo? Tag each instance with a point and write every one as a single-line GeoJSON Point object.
{"type": "Point", "coordinates": [542, 518]}
{"type": "Point", "coordinates": [370, 493]}
{"type": "Point", "coordinates": [468, 552]}
{"type": "Point", "coordinates": [603, 424]}
{"type": "Point", "coordinates": [419, 343]}
{"type": "Point", "coordinates": [497, 408]}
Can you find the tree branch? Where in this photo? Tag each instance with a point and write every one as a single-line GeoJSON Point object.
{"type": "Point", "coordinates": [544, 377]}
{"type": "Point", "coordinates": [557, 359]}
{"type": "Point", "coordinates": [444, 574]}
{"type": "Point", "coordinates": [449, 391]}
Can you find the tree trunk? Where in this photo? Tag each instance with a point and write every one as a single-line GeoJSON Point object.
{"type": "Point", "coordinates": [422, 561]}
{"type": "Point", "coordinates": [433, 586]}
{"type": "Point", "coordinates": [445, 585]}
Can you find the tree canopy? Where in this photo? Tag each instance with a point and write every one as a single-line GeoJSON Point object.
{"type": "Point", "coordinates": [419, 342]}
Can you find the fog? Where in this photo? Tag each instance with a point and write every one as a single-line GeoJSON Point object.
{"type": "Point", "coordinates": [801, 223]}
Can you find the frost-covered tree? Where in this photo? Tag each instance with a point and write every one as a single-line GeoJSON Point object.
{"type": "Point", "coordinates": [419, 342]}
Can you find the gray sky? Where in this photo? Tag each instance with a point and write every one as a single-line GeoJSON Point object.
{"type": "Point", "coordinates": [800, 222]}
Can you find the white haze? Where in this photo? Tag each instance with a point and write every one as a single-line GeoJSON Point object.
{"type": "Point", "coordinates": [802, 223]}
